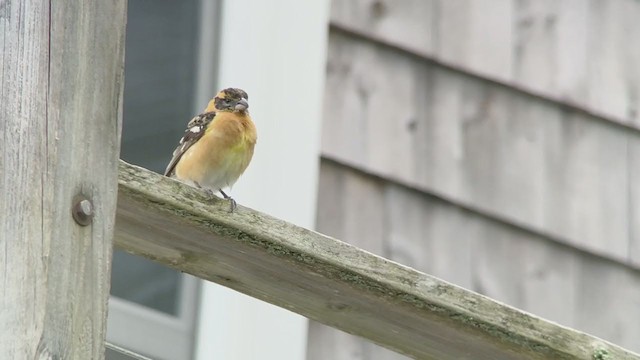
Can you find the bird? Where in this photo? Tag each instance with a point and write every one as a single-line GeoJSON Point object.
{"type": "Point", "coordinates": [217, 145]}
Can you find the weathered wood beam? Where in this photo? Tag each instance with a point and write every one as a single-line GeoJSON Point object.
{"type": "Point", "coordinates": [330, 281]}
{"type": "Point", "coordinates": [61, 80]}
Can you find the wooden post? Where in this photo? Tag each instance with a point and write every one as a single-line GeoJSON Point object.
{"type": "Point", "coordinates": [61, 79]}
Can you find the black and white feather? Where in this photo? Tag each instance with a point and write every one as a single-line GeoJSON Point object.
{"type": "Point", "coordinates": [195, 129]}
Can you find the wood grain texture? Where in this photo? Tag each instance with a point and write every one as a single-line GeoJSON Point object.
{"type": "Point", "coordinates": [503, 262]}
{"type": "Point", "coordinates": [328, 280]}
{"type": "Point", "coordinates": [61, 72]}
{"type": "Point", "coordinates": [574, 51]}
{"type": "Point", "coordinates": [529, 162]}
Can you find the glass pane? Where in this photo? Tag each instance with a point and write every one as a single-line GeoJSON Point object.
{"type": "Point", "coordinates": [145, 282]}
{"type": "Point", "coordinates": [160, 64]}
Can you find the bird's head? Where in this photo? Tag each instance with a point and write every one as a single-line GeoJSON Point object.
{"type": "Point", "coordinates": [230, 99]}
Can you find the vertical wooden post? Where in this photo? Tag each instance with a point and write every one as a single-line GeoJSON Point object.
{"type": "Point", "coordinates": [61, 78]}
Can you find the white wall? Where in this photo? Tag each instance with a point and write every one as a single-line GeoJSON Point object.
{"type": "Point", "coordinates": [276, 51]}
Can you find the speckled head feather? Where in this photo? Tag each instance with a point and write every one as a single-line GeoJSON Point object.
{"type": "Point", "coordinates": [230, 99]}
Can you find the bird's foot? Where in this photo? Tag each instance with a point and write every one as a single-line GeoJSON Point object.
{"type": "Point", "coordinates": [210, 193]}
{"type": "Point", "coordinates": [232, 203]}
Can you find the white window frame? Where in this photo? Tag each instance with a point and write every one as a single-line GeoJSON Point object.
{"type": "Point", "coordinates": [154, 333]}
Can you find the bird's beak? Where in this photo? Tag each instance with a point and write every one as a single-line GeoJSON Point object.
{"type": "Point", "coordinates": [242, 105]}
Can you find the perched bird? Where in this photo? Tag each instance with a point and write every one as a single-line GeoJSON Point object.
{"type": "Point", "coordinates": [217, 146]}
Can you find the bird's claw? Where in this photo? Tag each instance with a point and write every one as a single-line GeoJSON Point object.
{"type": "Point", "coordinates": [232, 205]}
{"type": "Point", "coordinates": [210, 194]}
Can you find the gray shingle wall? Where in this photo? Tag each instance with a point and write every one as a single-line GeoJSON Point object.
{"type": "Point", "coordinates": [493, 144]}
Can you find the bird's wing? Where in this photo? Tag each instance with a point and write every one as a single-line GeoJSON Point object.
{"type": "Point", "coordinates": [195, 129]}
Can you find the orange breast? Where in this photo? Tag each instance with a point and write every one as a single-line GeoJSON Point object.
{"type": "Point", "coordinates": [222, 154]}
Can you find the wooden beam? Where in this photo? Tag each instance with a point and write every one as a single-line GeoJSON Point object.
{"type": "Point", "coordinates": [61, 72]}
{"type": "Point", "coordinates": [330, 281]}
